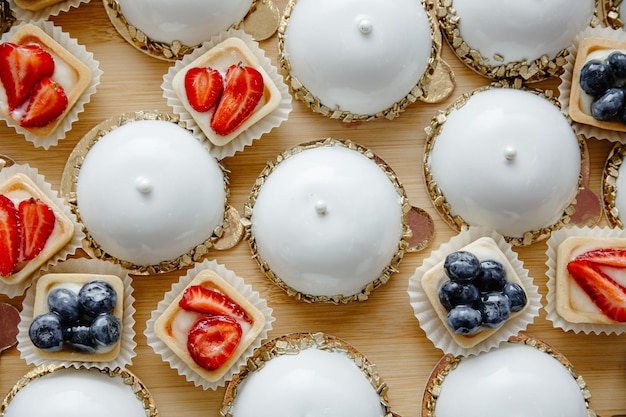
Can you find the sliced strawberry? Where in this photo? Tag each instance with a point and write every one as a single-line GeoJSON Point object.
{"type": "Point", "coordinates": [204, 87]}
{"type": "Point", "coordinates": [204, 300]}
{"type": "Point", "coordinates": [21, 67]}
{"type": "Point", "coordinates": [609, 296]}
{"type": "Point", "coordinates": [37, 222]}
{"type": "Point", "coordinates": [609, 257]}
{"type": "Point", "coordinates": [9, 236]}
{"type": "Point", "coordinates": [243, 91]}
{"type": "Point", "coordinates": [212, 340]}
{"type": "Point", "coordinates": [47, 102]}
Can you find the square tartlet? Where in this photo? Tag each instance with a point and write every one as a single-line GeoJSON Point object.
{"type": "Point", "coordinates": [163, 326]}
{"type": "Point", "coordinates": [20, 187]}
{"type": "Point", "coordinates": [230, 51]}
{"type": "Point", "coordinates": [70, 72]}
{"type": "Point", "coordinates": [74, 281]}
{"type": "Point", "coordinates": [592, 47]}
{"type": "Point", "coordinates": [573, 304]}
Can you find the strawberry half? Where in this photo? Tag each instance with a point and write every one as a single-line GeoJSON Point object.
{"type": "Point", "coordinates": [47, 102]}
{"type": "Point", "coordinates": [37, 223]}
{"type": "Point", "coordinates": [204, 300]}
{"type": "Point", "coordinates": [609, 296]}
{"type": "Point", "coordinates": [212, 340]}
{"type": "Point", "coordinates": [21, 68]}
{"type": "Point", "coordinates": [242, 93]}
{"type": "Point", "coordinates": [204, 87]}
{"type": "Point", "coordinates": [9, 236]}
{"type": "Point", "coordinates": [608, 257]}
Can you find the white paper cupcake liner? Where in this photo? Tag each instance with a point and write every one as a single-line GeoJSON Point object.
{"type": "Point", "coordinates": [553, 243]}
{"type": "Point", "coordinates": [128, 344]}
{"type": "Point", "coordinates": [430, 322]}
{"type": "Point", "coordinates": [175, 362]}
{"type": "Point", "coordinates": [263, 126]}
{"type": "Point", "coordinates": [45, 187]}
{"type": "Point", "coordinates": [27, 15]}
{"type": "Point", "coordinates": [84, 56]}
{"type": "Point", "coordinates": [565, 86]}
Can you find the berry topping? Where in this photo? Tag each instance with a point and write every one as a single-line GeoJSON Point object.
{"type": "Point", "coordinates": [606, 294]}
{"type": "Point", "coordinates": [595, 77]}
{"type": "Point", "coordinates": [242, 93]}
{"type": "Point", "coordinates": [516, 295]}
{"type": "Point", "coordinates": [495, 308]}
{"type": "Point", "coordinates": [461, 266]}
{"type": "Point", "coordinates": [46, 332]}
{"type": "Point", "coordinates": [48, 101]}
{"type": "Point", "coordinates": [212, 340]}
{"type": "Point", "coordinates": [453, 293]}
{"type": "Point", "coordinates": [79, 337]}
{"type": "Point", "coordinates": [464, 320]}
{"type": "Point", "coordinates": [608, 257]}
{"type": "Point", "coordinates": [106, 329]}
{"type": "Point", "coordinates": [491, 277]}
{"type": "Point", "coordinates": [204, 87]}
{"type": "Point", "coordinates": [64, 302]}
{"type": "Point", "coordinates": [96, 297]}
{"type": "Point", "coordinates": [21, 68]}
{"type": "Point", "coordinates": [608, 105]}
{"type": "Point", "coordinates": [617, 63]}
{"type": "Point", "coordinates": [9, 236]}
{"type": "Point", "coordinates": [208, 301]}
{"type": "Point", "coordinates": [37, 223]}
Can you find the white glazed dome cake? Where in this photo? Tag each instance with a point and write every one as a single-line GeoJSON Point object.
{"type": "Point", "coordinates": [327, 222]}
{"type": "Point", "coordinates": [515, 39]}
{"type": "Point", "coordinates": [307, 375]}
{"type": "Point", "coordinates": [148, 192]}
{"type": "Point", "coordinates": [516, 163]}
{"type": "Point", "coordinates": [356, 57]}
{"type": "Point", "coordinates": [525, 377]}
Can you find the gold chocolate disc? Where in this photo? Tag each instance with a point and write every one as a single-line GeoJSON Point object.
{"type": "Point", "coordinates": [262, 21]}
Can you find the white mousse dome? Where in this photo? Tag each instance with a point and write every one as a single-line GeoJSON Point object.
{"type": "Point", "coordinates": [507, 159]}
{"type": "Point", "coordinates": [514, 379]}
{"type": "Point", "coordinates": [313, 382]}
{"type": "Point", "coordinates": [509, 32]}
{"type": "Point", "coordinates": [148, 192]}
{"type": "Point", "coordinates": [327, 221]}
{"type": "Point", "coordinates": [358, 56]}
{"type": "Point", "coordinates": [189, 21]}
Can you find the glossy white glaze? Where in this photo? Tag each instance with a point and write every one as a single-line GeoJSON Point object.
{"type": "Point", "coordinates": [188, 21]}
{"type": "Point", "coordinates": [327, 221]}
{"type": "Point", "coordinates": [76, 393]}
{"type": "Point", "coordinates": [362, 56]}
{"type": "Point", "coordinates": [312, 383]}
{"type": "Point", "coordinates": [520, 31]}
{"type": "Point", "coordinates": [513, 379]}
{"type": "Point", "coordinates": [469, 161]}
{"type": "Point", "coordinates": [148, 191]}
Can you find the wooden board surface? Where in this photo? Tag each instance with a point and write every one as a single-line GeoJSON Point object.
{"type": "Point", "coordinates": [383, 328]}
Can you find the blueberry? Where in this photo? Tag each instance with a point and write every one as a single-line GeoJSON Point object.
{"type": "Point", "coordinates": [461, 266]}
{"type": "Point", "coordinates": [80, 338]}
{"type": "Point", "coordinates": [491, 277]}
{"type": "Point", "coordinates": [96, 297]}
{"type": "Point", "coordinates": [453, 293]}
{"type": "Point", "coordinates": [46, 332]}
{"type": "Point", "coordinates": [495, 309]}
{"type": "Point", "coordinates": [595, 77]}
{"type": "Point", "coordinates": [65, 303]}
{"type": "Point", "coordinates": [464, 320]}
{"type": "Point", "coordinates": [617, 63]}
{"type": "Point", "coordinates": [609, 105]}
{"type": "Point", "coordinates": [106, 329]}
{"type": "Point", "coordinates": [516, 296]}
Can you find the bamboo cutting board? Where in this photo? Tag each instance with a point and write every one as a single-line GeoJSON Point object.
{"type": "Point", "coordinates": [382, 328]}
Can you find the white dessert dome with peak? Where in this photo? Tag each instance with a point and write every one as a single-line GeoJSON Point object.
{"type": "Point", "coordinates": [148, 191]}
{"type": "Point", "coordinates": [358, 56]}
{"type": "Point", "coordinates": [505, 158]}
{"type": "Point", "coordinates": [327, 221]}
{"type": "Point", "coordinates": [190, 22]}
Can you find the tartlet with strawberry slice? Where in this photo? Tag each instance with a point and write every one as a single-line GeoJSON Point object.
{"type": "Point", "coordinates": [209, 325]}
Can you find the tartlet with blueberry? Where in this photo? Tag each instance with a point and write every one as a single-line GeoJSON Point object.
{"type": "Point", "coordinates": [476, 290]}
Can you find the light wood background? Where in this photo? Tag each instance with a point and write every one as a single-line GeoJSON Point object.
{"type": "Point", "coordinates": [382, 328]}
